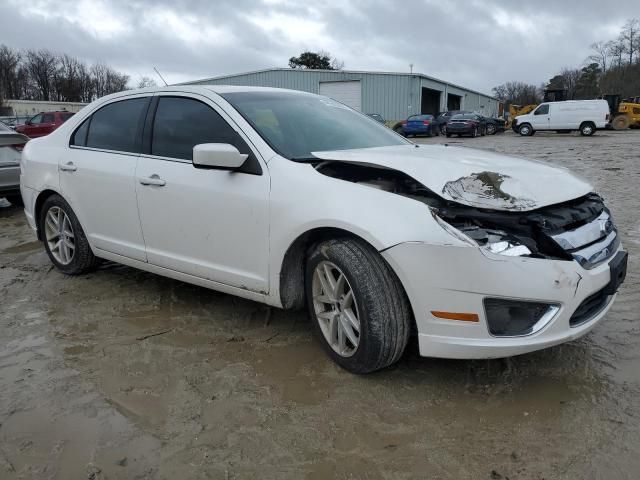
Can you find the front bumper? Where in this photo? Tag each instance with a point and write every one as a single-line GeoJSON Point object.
{"type": "Point", "coordinates": [458, 279]}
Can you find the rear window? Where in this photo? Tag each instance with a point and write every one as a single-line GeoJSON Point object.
{"type": "Point", "coordinates": [117, 126]}
{"type": "Point", "coordinates": [65, 116]}
{"type": "Point", "coordinates": [421, 117]}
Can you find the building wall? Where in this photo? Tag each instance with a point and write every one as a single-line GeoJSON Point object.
{"type": "Point", "coordinates": [393, 95]}
{"type": "Point", "coordinates": [21, 108]}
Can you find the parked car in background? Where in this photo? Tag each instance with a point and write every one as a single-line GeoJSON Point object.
{"type": "Point", "coordinates": [494, 125]}
{"type": "Point", "coordinates": [43, 123]}
{"type": "Point", "coordinates": [444, 117]}
{"type": "Point", "coordinates": [467, 124]}
{"type": "Point", "coordinates": [419, 125]}
{"type": "Point", "coordinates": [11, 145]}
{"type": "Point", "coordinates": [377, 117]}
{"type": "Point", "coordinates": [586, 116]}
{"type": "Point", "coordinates": [480, 255]}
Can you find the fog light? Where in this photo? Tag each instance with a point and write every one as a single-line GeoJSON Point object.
{"type": "Point", "coordinates": [512, 318]}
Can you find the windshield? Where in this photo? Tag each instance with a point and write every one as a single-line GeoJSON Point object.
{"type": "Point", "coordinates": [295, 125]}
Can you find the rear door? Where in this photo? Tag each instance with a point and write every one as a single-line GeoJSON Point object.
{"type": "Point", "coordinates": [97, 175]}
{"type": "Point", "coordinates": [213, 224]}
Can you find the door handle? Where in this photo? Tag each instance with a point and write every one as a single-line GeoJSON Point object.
{"type": "Point", "coordinates": [152, 180]}
{"type": "Point", "coordinates": [68, 167]}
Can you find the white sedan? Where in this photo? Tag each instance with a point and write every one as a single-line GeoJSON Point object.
{"type": "Point", "coordinates": [293, 199]}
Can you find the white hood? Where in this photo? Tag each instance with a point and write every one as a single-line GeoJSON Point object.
{"type": "Point", "coordinates": [473, 177]}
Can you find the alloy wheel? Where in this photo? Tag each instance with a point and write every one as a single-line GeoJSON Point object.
{"type": "Point", "coordinates": [336, 309]}
{"type": "Point", "coordinates": [59, 235]}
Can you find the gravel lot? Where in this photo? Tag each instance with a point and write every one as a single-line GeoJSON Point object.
{"type": "Point", "coordinates": [124, 374]}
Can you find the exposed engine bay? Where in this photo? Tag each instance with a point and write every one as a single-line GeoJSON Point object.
{"type": "Point", "coordinates": [570, 230]}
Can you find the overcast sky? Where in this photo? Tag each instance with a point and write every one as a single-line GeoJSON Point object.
{"type": "Point", "coordinates": [477, 44]}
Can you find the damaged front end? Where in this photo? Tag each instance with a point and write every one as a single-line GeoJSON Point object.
{"type": "Point", "coordinates": [579, 229]}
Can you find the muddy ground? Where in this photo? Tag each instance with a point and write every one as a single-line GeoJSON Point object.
{"type": "Point", "coordinates": [125, 374]}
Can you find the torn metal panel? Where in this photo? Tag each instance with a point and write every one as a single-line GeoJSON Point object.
{"type": "Point", "coordinates": [485, 189]}
{"type": "Point", "coordinates": [472, 177]}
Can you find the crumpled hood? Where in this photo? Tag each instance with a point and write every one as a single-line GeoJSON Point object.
{"type": "Point", "coordinates": [473, 177]}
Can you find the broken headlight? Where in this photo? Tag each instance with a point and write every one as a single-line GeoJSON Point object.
{"type": "Point", "coordinates": [496, 241]}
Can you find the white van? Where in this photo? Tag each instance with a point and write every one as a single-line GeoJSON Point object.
{"type": "Point", "coordinates": [584, 115]}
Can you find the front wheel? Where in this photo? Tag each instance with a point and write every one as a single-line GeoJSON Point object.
{"type": "Point", "coordinates": [358, 307]}
{"type": "Point", "coordinates": [64, 239]}
{"type": "Point", "coordinates": [491, 129]}
{"type": "Point", "coordinates": [525, 130]}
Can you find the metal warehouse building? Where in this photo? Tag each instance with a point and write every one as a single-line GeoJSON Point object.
{"type": "Point", "coordinates": [393, 95]}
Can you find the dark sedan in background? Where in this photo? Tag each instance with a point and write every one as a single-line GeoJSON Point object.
{"type": "Point", "coordinates": [467, 124]}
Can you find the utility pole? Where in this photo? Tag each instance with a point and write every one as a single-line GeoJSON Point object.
{"type": "Point", "coordinates": [411, 67]}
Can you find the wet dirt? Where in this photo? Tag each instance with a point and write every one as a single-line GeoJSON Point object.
{"type": "Point", "coordinates": [122, 374]}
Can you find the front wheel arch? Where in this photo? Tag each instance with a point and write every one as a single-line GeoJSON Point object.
{"type": "Point", "coordinates": [292, 268]}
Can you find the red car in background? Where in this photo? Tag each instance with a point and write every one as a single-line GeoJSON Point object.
{"type": "Point", "coordinates": [43, 123]}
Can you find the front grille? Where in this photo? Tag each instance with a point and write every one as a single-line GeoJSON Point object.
{"type": "Point", "coordinates": [590, 307]}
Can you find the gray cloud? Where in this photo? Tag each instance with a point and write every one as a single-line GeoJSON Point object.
{"type": "Point", "coordinates": [476, 44]}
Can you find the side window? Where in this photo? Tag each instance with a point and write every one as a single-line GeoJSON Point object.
{"type": "Point", "coordinates": [48, 118]}
{"type": "Point", "coordinates": [182, 123]}
{"type": "Point", "coordinates": [79, 137]}
{"type": "Point", "coordinates": [542, 110]}
{"type": "Point", "coordinates": [117, 126]}
{"type": "Point", "coordinates": [37, 119]}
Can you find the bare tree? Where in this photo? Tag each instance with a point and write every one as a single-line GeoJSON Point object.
{"type": "Point", "coordinates": [517, 93]}
{"type": "Point", "coordinates": [630, 37]}
{"type": "Point", "coordinates": [147, 82]}
{"type": "Point", "coordinates": [600, 55]}
{"type": "Point", "coordinates": [42, 65]}
{"type": "Point", "coordinates": [616, 51]}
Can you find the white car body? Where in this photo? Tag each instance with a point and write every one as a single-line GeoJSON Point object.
{"type": "Point", "coordinates": [239, 233]}
{"type": "Point", "coordinates": [567, 115]}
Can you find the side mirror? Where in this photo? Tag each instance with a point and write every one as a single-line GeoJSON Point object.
{"type": "Point", "coordinates": [218, 155]}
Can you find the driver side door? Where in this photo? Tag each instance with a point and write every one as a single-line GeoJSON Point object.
{"type": "Point", "coordinates": [540, 117]}
{"type": "Point", "coordinates": [205, 222]}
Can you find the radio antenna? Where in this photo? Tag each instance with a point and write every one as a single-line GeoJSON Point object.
{"type": "Point", "coordinates": [161, 77]}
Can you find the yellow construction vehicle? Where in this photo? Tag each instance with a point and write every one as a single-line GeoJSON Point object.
{"type": "Point", "coordinates": [625, 113]}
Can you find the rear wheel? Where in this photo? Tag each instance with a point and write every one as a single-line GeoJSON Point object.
{"type": "Point", "coordinates": [64, 239]}
{"type": "Point", "coordinates": [587, 129]}
{"type": "Point", "coordinates": [358, 307]}
{"type": "Point", "coordinates": [525, 130]}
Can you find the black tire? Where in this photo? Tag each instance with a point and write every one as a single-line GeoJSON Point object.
{"type": "Point", "coordinates": [483, 131]}
{"type": "Point", "coordinates": [525, 130]}
{"type": "Point", "coordinates": [443, 129]}
{"type": "Point", "coordinates": [15, 200]}
{"type": "Point", "coordinates": [448, 135]}
{"type": "Point", "coordinates": [491, 129]}
{"type": "Point", "coordinates": [474, 132]}
{"type": "Point", "coordinates": [587, 129]}
{"type": "Point", "coordinates": [383, 308]}
{"type": "Point", "coordinates": [83, 259]}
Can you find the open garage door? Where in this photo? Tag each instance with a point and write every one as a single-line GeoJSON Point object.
{"type": "Point", "coordinates": [430, 101]}
{"type": "Point", "coordinates": [453, 102]}
{"type": "Point", "coordinates": [347, 92]}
